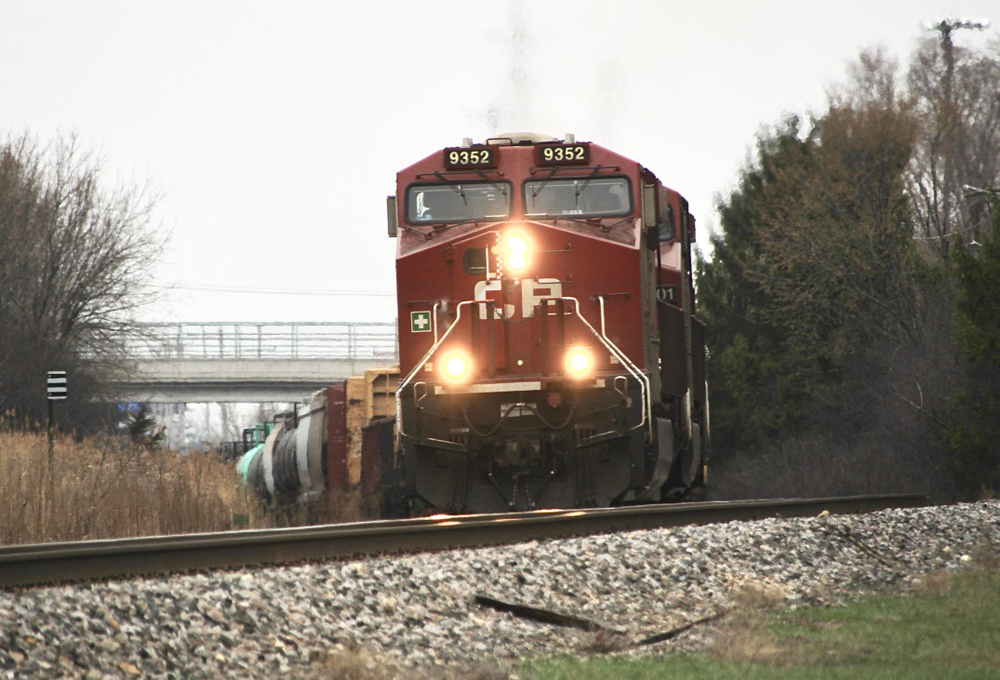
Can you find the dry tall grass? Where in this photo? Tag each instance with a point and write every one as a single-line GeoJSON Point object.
{"type": "Point", "coordinates": [348, 505]}
{"type": "Point", "coordinates": [744, 635]}
{"type": "Point", "coordinates": [102, 488]}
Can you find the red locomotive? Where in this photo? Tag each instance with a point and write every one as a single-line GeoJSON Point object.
{"type": "Point", "coordinates": [549, 352]}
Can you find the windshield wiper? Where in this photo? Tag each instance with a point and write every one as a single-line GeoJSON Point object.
{"type": "Point", "coordinates": [502, 188]}
{"type": "Point", "coordinates": [535, 192]}
{"type": "Point", "coordinates": [457, 188]}
{"type": "Point", "coordinates": [586, 182]}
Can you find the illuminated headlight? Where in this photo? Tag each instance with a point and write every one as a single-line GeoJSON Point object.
{"type": "Point", "coordinates": [517, 248]}
{"type": "Point", "coordinates": [456, 366]}
{"type": "Point", "coordinates": [579, 362]}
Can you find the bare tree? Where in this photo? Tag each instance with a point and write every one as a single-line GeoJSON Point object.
{"type": "Point", "coordinates": [955, 91]}
{"type": "Point", "coordinates": [75, 259]}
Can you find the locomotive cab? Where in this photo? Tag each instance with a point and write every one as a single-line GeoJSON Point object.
{"type": "Point", "coordinates": [549, 353]}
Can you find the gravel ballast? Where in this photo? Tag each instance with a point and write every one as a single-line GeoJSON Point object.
{"type": "Point", "coordinates": [418, 612]}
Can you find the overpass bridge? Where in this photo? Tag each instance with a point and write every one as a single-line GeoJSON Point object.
{"type": "Point", "coordinates": [251, 361]}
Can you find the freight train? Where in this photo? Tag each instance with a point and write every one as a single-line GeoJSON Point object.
{"type": "Point", "coordinates": [316, 448]}
{"type": "Point", "coordinates": [549, 351]}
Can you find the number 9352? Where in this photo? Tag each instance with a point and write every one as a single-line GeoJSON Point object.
{"type": "Point", "coordinates": [564, 154]}
{"type": "Point", "coordinates": [469, 157]}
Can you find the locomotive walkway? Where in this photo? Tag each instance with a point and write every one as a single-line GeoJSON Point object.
{"type": "Point", "coordinates": [251, 361]}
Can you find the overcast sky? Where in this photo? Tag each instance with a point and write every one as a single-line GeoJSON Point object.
{"type": "Point", "coordinates": [274, 130]}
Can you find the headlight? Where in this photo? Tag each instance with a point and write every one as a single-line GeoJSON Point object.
{"type": "Point", "coordinates": [516, 248]}
{"type": "Point", "coordinates": [579, 362]}
{"type": "Point", "coordinates": [456, 366]}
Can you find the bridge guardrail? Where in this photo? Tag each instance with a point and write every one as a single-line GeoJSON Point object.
{"type": "Point", "coordinates": [248, 341]}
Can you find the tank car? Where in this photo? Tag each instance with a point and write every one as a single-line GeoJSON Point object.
{"type": "Point", "coordinates": [549, 351]}
{"type": "Point", "coordinates": [319, 446]}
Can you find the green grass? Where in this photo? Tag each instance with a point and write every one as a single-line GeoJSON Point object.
{"type": "Point", "coordinates": [949, 629]}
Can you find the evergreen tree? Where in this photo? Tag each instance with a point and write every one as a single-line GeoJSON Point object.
{"type": "Point", "coordinates": [974, 436]}
{"type": "Point", "coordinates": [814, 271]}
{"type": "Point", "coordinates": [831, 295]}
{"type": "Point", "coordinates": [751, 399]}
{"type": "Point", "coordinates": [142, 429]}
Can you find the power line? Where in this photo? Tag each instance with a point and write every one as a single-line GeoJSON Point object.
{"type": "Point", "coordinates": [981, 223]}
{"type": "Point", "coordinates": [282, 291]}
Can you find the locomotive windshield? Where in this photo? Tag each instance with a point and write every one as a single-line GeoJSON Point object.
{"type": "Point", "coordinates": [578, 196]}
{"type": "Point", "coordinates": [457, 202]}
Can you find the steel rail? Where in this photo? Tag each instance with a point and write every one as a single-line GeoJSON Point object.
{"type": "Point", "coordinates": [46, 563]}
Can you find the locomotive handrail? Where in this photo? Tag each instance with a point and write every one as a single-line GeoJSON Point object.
{"type": "Point", "coordinates": [643, 377]}
{"type": "Point", "coordinates": [647, 405]}
{"type": "Point", "coordinates": [643, 380]}
{"type": "Point", "coordinates": [629, 365]}
{"type": "Point", "coordinates": [416, 367]}
{"type": "Point", "coordinates": [434, 319]}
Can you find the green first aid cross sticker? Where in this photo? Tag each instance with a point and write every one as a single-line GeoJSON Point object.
{"type": "Point", "coordinates": [420, 322]}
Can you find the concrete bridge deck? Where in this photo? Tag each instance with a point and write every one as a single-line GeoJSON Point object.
{"type": "Point", "coordinates": [251, 362]}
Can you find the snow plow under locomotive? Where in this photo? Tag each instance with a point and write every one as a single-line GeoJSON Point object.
{"type": "Point", "coordinates": [549, 356]}
{"type": "Point", "coordinates": [549, 352]}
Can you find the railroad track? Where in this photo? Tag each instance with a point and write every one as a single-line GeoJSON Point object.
{"type": "Point", "coordinates": [38, 564]}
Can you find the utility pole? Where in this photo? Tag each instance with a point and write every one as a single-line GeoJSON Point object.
{"type": "Point", "coordinates": [946, 27]}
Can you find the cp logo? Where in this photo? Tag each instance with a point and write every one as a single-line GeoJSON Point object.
{"type": "Point", "coordinates": [532, 293]}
